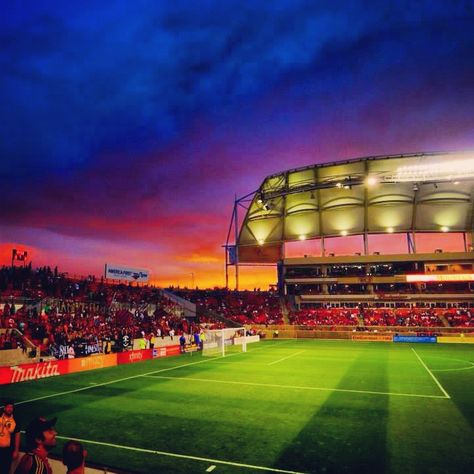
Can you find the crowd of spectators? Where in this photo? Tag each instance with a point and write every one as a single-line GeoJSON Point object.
{"type": "Point", "coordinates": [325, 317]}
{"type": "Point", "coordinates": [243, 307]}
{"type": "Point", "coordinates": [408, 317]}
{"type": "Point", "coordinates": [55, 311]}
{"type": "Point", "coordinates": [90, 331]}
{"type": "Point", "coordinates": [416, 317]}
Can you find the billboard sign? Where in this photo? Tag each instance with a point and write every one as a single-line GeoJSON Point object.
{"type": "Point", "coordinates": [120, 272]}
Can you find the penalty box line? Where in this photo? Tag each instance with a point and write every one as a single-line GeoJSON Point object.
{"type": "Point", "coordinates": [181, 456]}
{"type": "Point", "coordinates": [446, 394]}
{"type": "Point", "coordinates": [296, 387]}
{"type": "Point", "coordinates": [90, 387]}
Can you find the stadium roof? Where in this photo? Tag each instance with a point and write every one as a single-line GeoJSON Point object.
{"type": "Point", "coordinates": [420, 192]}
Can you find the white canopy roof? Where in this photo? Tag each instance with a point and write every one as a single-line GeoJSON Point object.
{"type": "Point", "coordinates": [422, 192]}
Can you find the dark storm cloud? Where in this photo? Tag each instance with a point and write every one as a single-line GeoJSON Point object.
{"type": "Point", "coordinates": [80, 78]}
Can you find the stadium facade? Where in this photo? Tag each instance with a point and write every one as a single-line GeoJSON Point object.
{"type": "Point", "coordinates": [406, 195]}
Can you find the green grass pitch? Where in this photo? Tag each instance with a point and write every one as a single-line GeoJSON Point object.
{"type": "Point", "coordinates": [310, 406]}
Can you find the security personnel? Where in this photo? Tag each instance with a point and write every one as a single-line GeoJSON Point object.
{"type": "Point", "coordinates": [9, 437]}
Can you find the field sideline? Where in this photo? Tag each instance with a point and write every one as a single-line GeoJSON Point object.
{"type": "Point", "coordinates": [291, 406]}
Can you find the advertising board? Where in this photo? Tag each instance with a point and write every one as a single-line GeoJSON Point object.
{"type": "Point", "coordinates": [92, 362]}
{"type": "Point", "coordinates": [27, 372]}
{"type": "Point", "coordinates": [133, 356]}
{"type": "Point", "coordinates": [372, 337]}
{"type": "Point", "coordinates": [121, 272]}
{"type": "Point", "coordinates": [422, 339]}
{"type": "Point", "coordinates": [166, 351]}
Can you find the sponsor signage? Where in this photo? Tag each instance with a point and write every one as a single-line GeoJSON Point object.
{"type": "Point", "coordinates": [372, 337]}
{"type": "Point", "coordinates": [456, 339]}
{"type": "Point", "coordinates": [445, 277]}
{"type": "Point", "coordinates": [166, 351]}
{"type": "Point", "coordinates": [93, 362]}
{"type": "Point", "coordinates": [27, 372]}
{"type": "Point", "coordinates": [246, 339]}
{"type": "Point", "coordinates": [424, 339]}
{"type": "Point", "coordinates": [133, 356]}
{"type": "Point", "coordinates": [120, 272]}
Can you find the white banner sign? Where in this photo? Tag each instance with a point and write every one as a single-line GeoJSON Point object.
{"type": "Point", "coordinates": [119, 272]}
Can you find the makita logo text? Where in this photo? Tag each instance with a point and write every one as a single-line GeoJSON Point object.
{"type": "Point", "coordinates": [33, 373]}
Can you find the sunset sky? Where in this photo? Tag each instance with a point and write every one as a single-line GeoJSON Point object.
{"type": "Point", "coordinates": [128, 127]}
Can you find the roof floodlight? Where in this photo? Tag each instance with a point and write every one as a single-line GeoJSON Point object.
{"type": "Point", "coordinates": [339, 185]}
{"type": "Point", "coordinates": [372, 181]}
{"type": "Point", "coordinates": [445, 229]}
{"type": "Point", "coordinates": [390, 230]}
{"type": "Point", "coordinates": [302, 237]}
{"type": "Point", "coordinates": [261, 241]}
{"type": "Point", "coordinates": [344, 233]}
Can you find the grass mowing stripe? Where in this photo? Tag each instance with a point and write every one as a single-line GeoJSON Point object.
{"type": "Point", "coordinates": [297, 387]}
{"type": "Point", "coordinates": [181, 456]}
{"type": "Point", "coordinates": [431, 373]}
{"type": "Point", "coordinates": [285, 358]}
{"type": "Point", "coordinates": [89, 387]}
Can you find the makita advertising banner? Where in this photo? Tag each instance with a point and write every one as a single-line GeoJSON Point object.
{"type": "Point", "coordinates": [26, 372]}
{"type": "Point", "coordinates": [53, 368]}
{"type": "Point", "coordinates": [119, 272]}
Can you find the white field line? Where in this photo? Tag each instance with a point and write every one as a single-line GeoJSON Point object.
{"type": "Point", "coordinates": [95, 385]}
{"type": "Point", "coordinates": [181, 456]}
{"type": "Point", "coordinates": [285, 358]}
{"type": "Point", "coordinates": [296, 387]}
{"type": "Point", "coordinates": [446, 394]}
{"type": "Point", "coordinates": [453, 370]}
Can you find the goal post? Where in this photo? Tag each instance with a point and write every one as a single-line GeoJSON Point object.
{"type": "Point", "coordinates": [220, 342]}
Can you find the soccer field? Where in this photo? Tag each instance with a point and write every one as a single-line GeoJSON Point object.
{"type": "Point", "coordinates": [284, 406]}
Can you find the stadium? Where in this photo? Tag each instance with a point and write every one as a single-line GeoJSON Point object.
{"type": "Point", "coordinates": [360, 359]}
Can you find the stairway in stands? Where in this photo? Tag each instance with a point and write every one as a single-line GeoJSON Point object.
{"type": "Point", "coordinates": [219, 317]}
{"type": "Point", "coordinates": [443, 319]}
{"type": "Point", "coordinates": [284, 311]}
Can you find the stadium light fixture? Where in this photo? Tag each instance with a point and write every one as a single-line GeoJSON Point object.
{"type": "Point", "coordinates": [372, 181]}
{"type": "Point", "coordinates": [445, 229]}
{"type": "Point", "coordinates": [344, 233]}
{"type": "Point", "coordinates": [302, 237]}
{"type": "Point", "coordinates": [339, 185]}
{"type": "Point", "coordinates": [390, 230]}
{"type": "Point", "coordinates": [261, 241]}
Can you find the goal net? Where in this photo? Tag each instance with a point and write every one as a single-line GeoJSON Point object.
{"type": "Point", "coordinates": [219, 342]}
